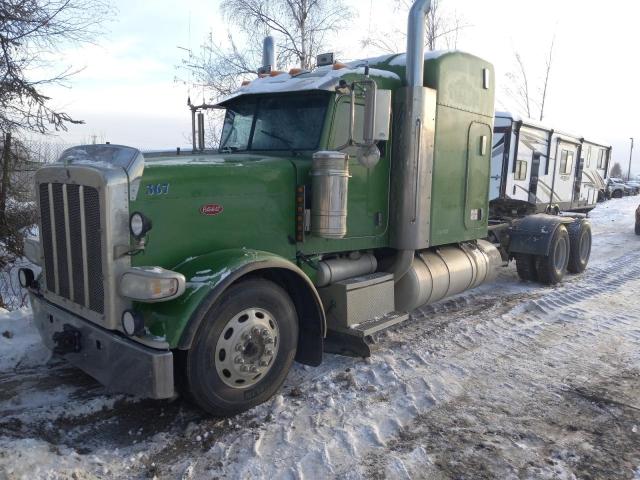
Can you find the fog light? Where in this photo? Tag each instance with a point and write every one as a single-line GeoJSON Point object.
{"type": "Point", "coordinates": [132, 323]}
{"type": "Point", "coordinates": [26, 277]}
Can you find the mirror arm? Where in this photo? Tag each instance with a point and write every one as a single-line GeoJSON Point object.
{"type": "Point", "coordinates": [352, 113]}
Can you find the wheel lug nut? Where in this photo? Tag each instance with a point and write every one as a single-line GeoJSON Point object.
{"type": "Point", "coordinates": [244, 368]}
{"type": "Point", "coordinates": [238, 360]}
{"type": "Point", "coordinates": [268, 351]}
{"type": "Point", "coordinates": [268, 340]}
{"type": "Point", "coordinates": [264, 332]}
{"type": "Point", "coordinates": [245, 336]}
{"type": "Point", "coordinates": [239, 347]}
{"type": "Point", "coordinates": [253, 369]}
{"type": "Point", "coordinates": [263, 363]}
{"type": "Point", "coordinates": [255, 331]}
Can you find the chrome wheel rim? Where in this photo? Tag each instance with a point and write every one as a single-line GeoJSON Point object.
{"type": "Point", "coordinates": [247, 348]}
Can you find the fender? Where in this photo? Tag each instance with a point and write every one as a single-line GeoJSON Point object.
{"type": "Point", "coordinates": [209, 275]}
{"type": "Point", "coordinates": [533, 234]}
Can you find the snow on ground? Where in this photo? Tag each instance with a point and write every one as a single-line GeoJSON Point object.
{"type": "Point", "coordinates": [20, 343]}
{"type": "Point", "coordinates": [511, 380]}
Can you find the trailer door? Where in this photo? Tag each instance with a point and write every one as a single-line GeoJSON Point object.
{"type": "Point", "coordinates": [577, 183]}
{"type": "Point", "coordinates": [533, 183]}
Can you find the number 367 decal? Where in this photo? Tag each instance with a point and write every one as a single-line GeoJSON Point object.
{"type": "Point", "coordinates": [157, 189]}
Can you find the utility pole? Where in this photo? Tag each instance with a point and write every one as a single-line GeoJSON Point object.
{"type": "Point", "coordinates": [630, 158]}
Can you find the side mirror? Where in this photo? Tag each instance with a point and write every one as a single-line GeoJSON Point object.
{"type": "Point", "coordinates": [377, 115]}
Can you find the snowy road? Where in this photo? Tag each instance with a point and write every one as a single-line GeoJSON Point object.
{"type": "Point", "coordinates": [512, 380]}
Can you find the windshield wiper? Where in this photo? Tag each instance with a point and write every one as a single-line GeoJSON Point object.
{"type": "Point", "coordinates": [228, 149]}
{"type": "Point", "coordinates": [282, 139]}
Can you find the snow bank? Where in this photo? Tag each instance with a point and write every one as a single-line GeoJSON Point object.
{"type": "Point", "coordinates": [20, 343]}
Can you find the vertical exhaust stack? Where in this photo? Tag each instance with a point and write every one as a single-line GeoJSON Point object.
{"type": "Point", "coordinates": [269, 53]}
{"type": "Point", "coordinates": [411, 171]}
{"type": "Point", "coordinates": [415, 42]}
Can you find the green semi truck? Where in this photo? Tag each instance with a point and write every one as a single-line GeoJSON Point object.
{"type": "Point", "coordinates": [340, 199]}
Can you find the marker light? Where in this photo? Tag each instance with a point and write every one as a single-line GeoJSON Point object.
{"type": "Point", "coordinates": [139, 224]}
{"type": "Point", "coordinates": [151, 284]}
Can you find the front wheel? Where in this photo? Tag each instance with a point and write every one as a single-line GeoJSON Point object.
{"type": "Point", "coordinates": [552, 268]}
{"type": "Point", "coordinates": [244, 348]}
{"type": "Point", "coordinates": [637, 228]}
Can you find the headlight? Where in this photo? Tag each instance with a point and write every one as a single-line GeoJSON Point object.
{"type": "Point", "coordinates": [151, 284]}
{"type": "Point", "coordinates": [139, 224]}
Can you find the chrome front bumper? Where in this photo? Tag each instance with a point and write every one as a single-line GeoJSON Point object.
{"type": "Point", "coordinates": [118, 363]}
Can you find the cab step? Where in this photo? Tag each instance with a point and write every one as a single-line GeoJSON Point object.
{"type": "Point", "coordinates": [356, 341]}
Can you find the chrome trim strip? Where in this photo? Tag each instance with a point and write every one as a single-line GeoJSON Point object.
{"type": "Point", "coordinates": [83, 234]}
{"type": "Point", "coordinates": [53, 240]}
{"type": "Point", "coordinates": [65, 202]}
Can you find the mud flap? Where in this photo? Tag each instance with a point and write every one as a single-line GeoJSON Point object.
{"type": "Point", "coordinates": [347, 344]}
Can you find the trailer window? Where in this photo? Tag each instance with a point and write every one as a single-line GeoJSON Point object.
{"type": "Point", "coordinates": [588, 157]}
{"type": "Point", "coordinates": [566, 162]}
{"type": "Point", "coordinates": [521, 170]}
{"type": "Point", "coordinates": [277, 122]}
{"type": "Point", "coordinates": [600, 158]}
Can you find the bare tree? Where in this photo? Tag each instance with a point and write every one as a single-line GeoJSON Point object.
{"type": "Point", "coordinates": [521, 89]}
{"type": "Point", "coordinates": [518, 87]}
{"type": "Point", "coordinates": [441, 26]}
{"type": "Point", "coordinates": [549, 62]}
{"type": "Point", "coordinates": [616, 171]}
{"type": "Point", "coordinates": [30, 30]}
{"type": "Point", "coordinates": [301, 26]}
{"type": "Point", "coordinates": [301, 29]}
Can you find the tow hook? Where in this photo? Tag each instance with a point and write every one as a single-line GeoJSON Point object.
{"type": "Point", "coordinates": [67, 341]}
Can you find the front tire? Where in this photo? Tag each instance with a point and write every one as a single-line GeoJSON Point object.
{"type": "Point", "coordinates": [580, 241]}
{"type": "Point", "coordinates": [243, 349]}
{"type": "Point", "coordinates": [552, 268]}
{"type": "Point", "coordinates": [637, 228]}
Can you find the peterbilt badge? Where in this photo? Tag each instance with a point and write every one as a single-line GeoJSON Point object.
{"type": "Point", "coordinates": [211, 209]}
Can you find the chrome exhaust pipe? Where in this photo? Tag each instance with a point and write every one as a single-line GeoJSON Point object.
{"type": "Point", "coordinates": [269, 53]}
{"type": "Point", "coordinates": [412, 151]}
{"type": "Point", "coordinates": [415, 42]}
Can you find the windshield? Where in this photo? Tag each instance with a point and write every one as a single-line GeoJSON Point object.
{"type": "Point", "coordinates": [284, 122]}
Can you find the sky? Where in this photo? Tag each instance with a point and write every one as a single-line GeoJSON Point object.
{"type": "Point", "coordinates": [129, 90]}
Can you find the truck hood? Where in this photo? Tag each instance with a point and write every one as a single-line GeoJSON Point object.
{"type": "Point", "coordinates": [206, 160]}
{"type": "Point", "coordinates": [204, 203]}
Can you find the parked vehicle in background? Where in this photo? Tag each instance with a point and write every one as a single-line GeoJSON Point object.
{"type": "Point", "coordinates": [616, 189]}
{"type": "Point", "coordinates": [634, 185]}
{"type": "Point", "coordinates": [536, 168]}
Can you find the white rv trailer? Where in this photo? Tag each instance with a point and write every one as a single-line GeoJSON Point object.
{"type": "Point", "coordinates": [538, 169]}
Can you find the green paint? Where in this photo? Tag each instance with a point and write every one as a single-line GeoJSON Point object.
{"type": "Point", "coordinates": [253, 196]}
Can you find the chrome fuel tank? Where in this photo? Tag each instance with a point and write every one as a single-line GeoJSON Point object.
{"type": "Point", "coordinates": [446, 271]}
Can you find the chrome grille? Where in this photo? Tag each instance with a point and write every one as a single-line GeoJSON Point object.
{"type": "Point", "coordinates": [72, 243]}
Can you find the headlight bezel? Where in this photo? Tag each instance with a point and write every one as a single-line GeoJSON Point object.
{"type": "Point", "coordinates": [140, 283]}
